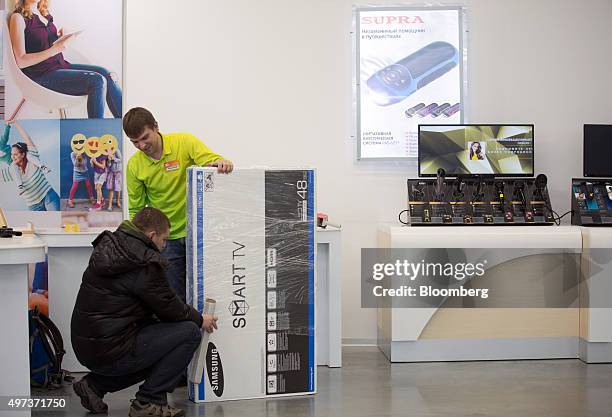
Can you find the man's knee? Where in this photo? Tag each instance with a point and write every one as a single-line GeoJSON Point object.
{"type": "Point", "coordinates": [191, 331]}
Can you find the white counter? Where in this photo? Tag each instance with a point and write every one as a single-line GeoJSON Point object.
{"type": "Point", "coordinates": [596, 295]}
{"type": "Point", "coordinates": [329, 297]}
{"type": "Point", "coordinates": [517, 257]}
{"type": "Point", "coordinates": [68, 257]}
{"type": "Point", "coordinates": [15, 255]}
{"type": "Point", "coordinates": [482, 236]}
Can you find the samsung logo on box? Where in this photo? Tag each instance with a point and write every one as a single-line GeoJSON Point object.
{"type": "Point", "coordinates": [214, 369]}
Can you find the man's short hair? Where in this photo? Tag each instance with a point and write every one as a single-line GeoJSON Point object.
{"type": "Point", "coordinates": [135, 121]}
{"type": "Point", "coordinates": [150, 219]}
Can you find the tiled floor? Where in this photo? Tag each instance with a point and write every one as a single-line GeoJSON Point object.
{"type": "Point", "coordinates": [369, 386]}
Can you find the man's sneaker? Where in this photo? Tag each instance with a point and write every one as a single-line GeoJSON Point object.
{"type": "Point", "coordinates": [89, 399]}
{"type": "Point", "coordinates": [138, 409]}
{"type": "Point", "coordinates": [169, 411]}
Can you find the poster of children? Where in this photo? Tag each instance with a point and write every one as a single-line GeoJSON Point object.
{"type": "Point", "coordinates": [91, 172]}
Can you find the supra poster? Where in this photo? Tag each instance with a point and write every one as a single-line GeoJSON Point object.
{"type": "Point", "coordinates": [409, 71]}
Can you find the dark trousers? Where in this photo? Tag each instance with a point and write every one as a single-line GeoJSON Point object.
{"type": "Point", "coordinates": [160, 355]}
{"type": "Point", "coordinates": [176, 272]}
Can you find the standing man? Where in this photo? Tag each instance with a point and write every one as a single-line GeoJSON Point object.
{"type": "Point", "coordinates": [157, 177]}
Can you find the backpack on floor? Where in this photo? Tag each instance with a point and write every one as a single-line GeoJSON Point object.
{"type": "Point", "coordinates": [46, 352]}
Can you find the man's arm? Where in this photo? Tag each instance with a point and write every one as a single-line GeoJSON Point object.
{"type": "Point", "coordinates": [153, 289]}
{"type": "Point", "coordinates": [202, 155]}
{"type": "Point", "coordinates": [137, 196]}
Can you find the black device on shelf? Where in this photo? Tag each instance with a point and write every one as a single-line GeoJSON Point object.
{"type": "Point", "coordinates": [596, 151]}
{"type": "Point", "coordinates": [592, 201]}
{"type": "Point", "coordinates": [8, 232]}
{"type": "Point", "coordinates": [479, 200]}
{"type": "Point", "coordinates": [471, 149]}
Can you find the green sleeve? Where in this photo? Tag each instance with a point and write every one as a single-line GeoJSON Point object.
{"type": "Point", "coordinates": [136, 192]}
{"type": "Point", "coordinates": [200, 153]}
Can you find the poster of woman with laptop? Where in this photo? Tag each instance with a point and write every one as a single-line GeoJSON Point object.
{"type": "Point", "coordinates": [65, 58]}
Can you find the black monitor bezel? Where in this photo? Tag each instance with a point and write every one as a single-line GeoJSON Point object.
{"type": "Point", "coordinates": [584, 167]}
{"type": "Point", "coordinates": [454, 175]}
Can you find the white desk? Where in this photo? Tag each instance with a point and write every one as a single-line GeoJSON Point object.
{"type": "Point", "coordinates": [446, 334]}
{"type": "Point", "coordinates": [329, 297]}
{"type": "Point", "coordinates": [68, 256]}
{"type": "Point", "coordinates": [15, 255]}
{"type": "Point", "coordinates": [595, 295]}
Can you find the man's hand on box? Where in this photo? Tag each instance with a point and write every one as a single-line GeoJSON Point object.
{"type": "Point", "coordinates": [209, 323]}
{"type": "Point", "coordinates": [224, 166]}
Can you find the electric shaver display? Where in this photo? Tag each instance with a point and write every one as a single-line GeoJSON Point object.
{"type": "Point", "coordinates": [479, 201]}
{"type": "Point", "coordinates": [395, 82]}
{"type": "Point", "coordinates": [592, 202]}
{"type": "Point", "coordinates": [502, 150]}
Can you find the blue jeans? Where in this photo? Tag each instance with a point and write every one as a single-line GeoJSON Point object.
{"type": "Point", "coordinates": [90, 80]}
{"type": "Point", "coordinates": [159, 356]}
{"type": "Point", "coordinates": [176, 272]}
{"type": "Point", "coordinates": [51, 202]}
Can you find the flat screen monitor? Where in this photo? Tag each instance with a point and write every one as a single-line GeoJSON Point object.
{"type": "Point", "coordinates": [597, 151]}
{"type": "Point", "coordinates": [492, 150]}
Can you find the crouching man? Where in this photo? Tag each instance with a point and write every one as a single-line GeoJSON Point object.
{"type": "Point", "coordinates": [128, 325]}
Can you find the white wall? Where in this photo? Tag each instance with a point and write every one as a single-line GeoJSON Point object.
{"type": "Point", "coordinates": [269, 83]}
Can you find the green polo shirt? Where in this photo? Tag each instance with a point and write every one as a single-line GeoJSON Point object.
{"type": "Point", "coordinates": [162, 184]}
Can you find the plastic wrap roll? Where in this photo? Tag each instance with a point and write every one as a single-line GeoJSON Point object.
{"type": "Point", "coordinates": [199, 357]}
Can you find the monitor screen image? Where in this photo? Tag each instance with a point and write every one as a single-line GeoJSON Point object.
{"type": "Point", "coordinates": [597, 151]}
{"type": "Point", "coordinates": [498, 150]}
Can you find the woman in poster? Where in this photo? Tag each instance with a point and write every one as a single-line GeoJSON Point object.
{"type": "Point", "coordinates": [26, 170]}
{"type": "Point", "coordinates": [476, 153]}
{"type": "Point", "coordinates": [38, 46]}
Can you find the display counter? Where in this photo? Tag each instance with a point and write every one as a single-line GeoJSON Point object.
{"type": "Point", "coordinates": [15, 255]}
{"type": "Point", "coordinates": [595, 295]}
{"type": "Point", "coordinates": [68, 256]}
{"type": "Point", "coordinates": [519, 263]}
{"type": "Point", "coordinates": [329, 297]}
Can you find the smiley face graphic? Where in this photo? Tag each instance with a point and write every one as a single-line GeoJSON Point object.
{"type": "Point", "coordinates": [93, 147]}
{"type": "Point", "coordinates": [77, 143]}
{"type": "Point", "coordinates": [109, 143]}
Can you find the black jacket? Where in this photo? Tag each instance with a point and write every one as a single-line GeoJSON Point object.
{"type": "Point", "coordinates": [123, 287]}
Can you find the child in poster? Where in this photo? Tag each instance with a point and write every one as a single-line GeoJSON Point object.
{"type": "Point", "coordinates": [99, 164]}
{"type": "Point", "coordinates": [80, 171]}
{"type": "Point", "coordinates": [114, 171]}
